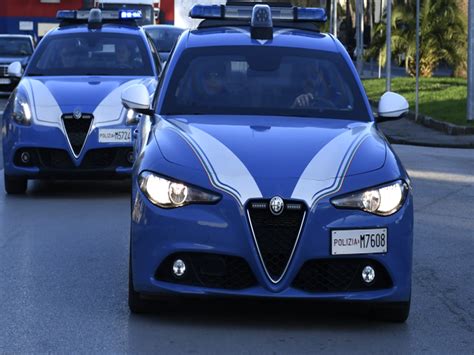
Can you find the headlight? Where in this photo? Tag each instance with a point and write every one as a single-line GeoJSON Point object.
{"type": "Point", "coordinates": [132, 117]}
{"type": "Point", "coordinates": [382, 200]}
{"type": "Point", "coordinates": [21, 110]}
{"type": "Point", "coordinates": [166, 193]}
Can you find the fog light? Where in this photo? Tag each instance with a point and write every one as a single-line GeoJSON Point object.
{"type": "Point", "coordinates": [368, 274]}
{"type": "Point", "coordinates": [179, 267]}
{"type": "Point", "coordinates": [25, 157]}
{"type": "Point", "coordinates": [130, 157]}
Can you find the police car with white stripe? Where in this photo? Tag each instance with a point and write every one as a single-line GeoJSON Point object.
{"type": "Point", "coordinates": [65, 119]}
{"type": "Point", "coordinates": [261, 171]}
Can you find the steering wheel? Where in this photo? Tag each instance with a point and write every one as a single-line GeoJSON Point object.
{"type": "Point", "coordinates": [322, 102]}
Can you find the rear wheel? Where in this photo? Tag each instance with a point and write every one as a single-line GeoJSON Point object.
{"type": "Point", "coordinates": [391, 312]}
{"type": "Point", "coordinates": [15, 185]}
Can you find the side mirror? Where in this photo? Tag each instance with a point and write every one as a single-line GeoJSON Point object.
{"type": "Point", "coordinates": [15, 69]}
{"type": "Point", "coordinates": [391, 107]}
{"type": "Point", "coordinates": [137, 98]}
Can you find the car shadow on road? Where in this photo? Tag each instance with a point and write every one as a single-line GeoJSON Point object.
{"type": "Point", "coordinates": [257, 313]}
{"type": "Point", "coordinates": [78, 188]}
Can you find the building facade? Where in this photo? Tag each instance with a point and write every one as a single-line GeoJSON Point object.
{"type": "Point", "coordinates": [34, 17]}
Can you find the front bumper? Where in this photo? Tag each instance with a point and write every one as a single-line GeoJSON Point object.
{"type": "Point", "coordinates": [8, 87]}
{"type": "Point", "coordinates": [52, 157]}
{"type": "Point", "coordinates": [158, 236]}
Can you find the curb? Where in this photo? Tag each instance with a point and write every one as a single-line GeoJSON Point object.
{"type": "Point", "coordinates": [397, 140]}
{"type": "Point", "coordinates": [445, 127]}
{"type": "Point", "coordinates": [440, 126]}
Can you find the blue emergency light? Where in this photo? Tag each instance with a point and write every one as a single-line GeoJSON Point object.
{"type": "Point", "coordinates": [207, 11]}
{"type": "Point", "coordinates": [66, 15]}
{"type": "Point", "coordinates": [130, 14]}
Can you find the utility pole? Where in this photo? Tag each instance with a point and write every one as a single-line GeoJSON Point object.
{"type": "Point", "coordinates": [360, 34]}
{"type": "Point", "coordinates": [417, 58]}
{"type": "Point", "coordinates": [470, 63]}
{"type": "Point", "coordinates": [334, 17]}
{"type": "Point", "coordinates": [389, 46]}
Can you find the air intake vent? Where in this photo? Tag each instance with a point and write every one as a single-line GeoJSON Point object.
{"type": "Point", "coordinates": [276, 235]}
{"type": "Point", "coordinates": [77, 128]}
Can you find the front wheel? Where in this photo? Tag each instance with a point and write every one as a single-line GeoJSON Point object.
{"type": "Point", "coordinates": [391, 312]}
{"type": "Point", "coordinates": [15, 185]}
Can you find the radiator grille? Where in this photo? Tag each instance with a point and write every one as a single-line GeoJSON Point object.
{"type": "Point", "coordinates": [77, 130]}
{"type": "Point", "coordinates": [276, 236]}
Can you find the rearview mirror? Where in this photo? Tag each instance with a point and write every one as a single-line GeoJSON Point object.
{"type": "Point", "coordinates": [15, 69]}
{"type": "Point", "coordinates": [137, 98]}
{"type": "Point", "coordinates": [392, 106]}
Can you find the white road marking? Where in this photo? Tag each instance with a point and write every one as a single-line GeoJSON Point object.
{"type": "Point", "coordinates": [441, 176]}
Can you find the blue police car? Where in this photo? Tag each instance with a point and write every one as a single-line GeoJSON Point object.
{"type": "Point", "coordinates": [65, 119]}
{"type": "Point", "coordinates": [261, 171]}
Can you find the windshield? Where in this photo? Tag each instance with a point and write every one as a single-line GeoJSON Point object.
{"type": "Point", "coordinates": [91, 54]}
{"type": "Point", "coordinates": [147, 11]}
{"type": "Point", "coordinates": [251, 80]}
{"type": "Point", "coordinates": [164, 38]}
{"type": "Point", "coordinates": [15, 46]}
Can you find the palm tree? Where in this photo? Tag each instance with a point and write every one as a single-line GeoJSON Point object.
{"type": "Point", "coordinates": [443, 35]}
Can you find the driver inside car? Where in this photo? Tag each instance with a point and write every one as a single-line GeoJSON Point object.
{"type": "Point", "coordinates": [123, 56]}
{"type": "Point", "coordinates": [212, 84]}
{"type": "Point", "coordinates": [317, 91]}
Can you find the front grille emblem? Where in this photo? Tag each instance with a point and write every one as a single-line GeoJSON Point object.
{"type": "Point", "coordinates": [77, 114]}
{"type": "Point", "coordinates": [276, 205]}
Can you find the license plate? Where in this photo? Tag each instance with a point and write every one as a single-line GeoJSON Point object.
{"type": "Point", "coordinates": [5, 81]}
{"type": "Point", "coordinates": [108, 135]}
{"type": "Point", "coordinates": [359, 241]}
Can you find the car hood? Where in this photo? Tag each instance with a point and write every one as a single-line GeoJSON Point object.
{"type": "Point", "coordinates": [53, 96]}
{"type": "Point", "coordinates": [244, 153]}
{"type": "Point", "coordinates": [9, 60]}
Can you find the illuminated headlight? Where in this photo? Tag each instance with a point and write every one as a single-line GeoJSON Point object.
{"type": "Point", "coordinates": [132, 117]}
{"type": "Point", "coordinates": [383, 200]}
{"type": "Point", "coordinates": [166, 193]}
{"type": "Point", "coordinates": [21, 110]}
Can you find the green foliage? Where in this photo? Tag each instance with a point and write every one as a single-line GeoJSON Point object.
{"type": "Point", "coordinates": [440, 98]}
{"type": "Point", "coordinates": [443, 35]}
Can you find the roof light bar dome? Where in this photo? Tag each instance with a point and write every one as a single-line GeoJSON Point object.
{"type": "Point", "coordinates": [95, 16]}
{"type": "Point", "coordinates": [261, 22]}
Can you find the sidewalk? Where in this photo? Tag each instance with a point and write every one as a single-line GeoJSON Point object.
{"type": "Point", "coordinates": [404, 131]}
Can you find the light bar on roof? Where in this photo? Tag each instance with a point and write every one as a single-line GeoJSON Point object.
{"type": "Point", "coordinates": [126, 14]}
{"type": "Point", "coordinates": [244, 12]}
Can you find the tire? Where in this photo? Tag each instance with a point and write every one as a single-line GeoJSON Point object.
{"type": "Point", "coordinates": [391, 312]}
{"type": "Point", "coordinates": [136, 304]}
{"type": "Point", "coordinates": [15, 185]}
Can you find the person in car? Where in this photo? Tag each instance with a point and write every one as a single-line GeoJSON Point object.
{"type": "Point", "coordinates": [123, 56]}
{"type": "Point", "coordinates": [317, 90]}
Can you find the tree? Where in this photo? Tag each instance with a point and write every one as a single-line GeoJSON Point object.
{"type": "Point", "coordinates": [443, 35]}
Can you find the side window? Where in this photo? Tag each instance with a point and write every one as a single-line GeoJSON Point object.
{"type": "Point", "coordinates": [156, 57]}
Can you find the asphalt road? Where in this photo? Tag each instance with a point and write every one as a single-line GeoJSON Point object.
{"type": "Point", "coordinates": [63, 279]}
